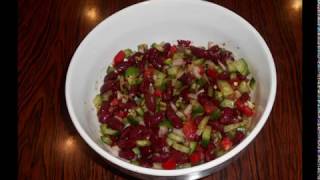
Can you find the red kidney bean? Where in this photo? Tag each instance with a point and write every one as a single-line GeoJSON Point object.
{"type": "Point", "coordinates": [126, 154]}
{"type": "Point", "coordinates": [176, 121]}
{"type": "Point", "coordinates": [114, 123]}
{"type": "Point", "coordinates": [150, 101]}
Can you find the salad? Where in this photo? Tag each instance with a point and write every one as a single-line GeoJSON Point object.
{"type": "Point", "coordinates": [173, 106]}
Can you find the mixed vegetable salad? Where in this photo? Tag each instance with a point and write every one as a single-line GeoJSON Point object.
{"type": "Point", "coordinates": [173, 106]}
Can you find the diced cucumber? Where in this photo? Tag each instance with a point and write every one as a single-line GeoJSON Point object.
{"type": "Point", "coordinates": [168, 61]}
{"type": "Point", "coordinates": [103, 128]}
{"type": "Point", "coordinates": [105, 96]}
{"type": "Point", "coordinates": [136, 150]}
{"type": "Point", "coordinates": [159, 79]}
{"type": "Point", "coordinates": [231, 66]}
{"type": "Point", "coordinates": [220, 153]}
{"type": "Point", "coordinates": [225, 88]}
{"type": "Point", "coordinates": [206, 135]}
{"type": "Point", "coordinates": [227, 103]}
{"type": "Point", "coordinates": [242, 67]}
{"type": "Point", "coordinates": [198, 61]}
{"type": "Point", "coordinates": [216, 136]}
{"type": "Point", "coordinates": [108, 131]}
{"type": "Point", "coordinates": [159, 47]}
{"type": "Point", "coordinates": [135, 162]}
{"type": "Point", "coordinates": [170, 141]}
{"type": "Point", "coordinates": [132, 71]}
{"type": "Point", "coordinates": [234, 126]}
{"type": "Point", "coordinates": [143, 143]}
{"type": "Point", "coordinates": [243, 87]}
{"type": "Point", "coordinates": [97, 101]}
{"type": "Point", "coordinates": [181, 148]}
{"type": "Point", "coordinates": [128, 52]}
{"type": "Point", "coordinates": [201, 82]}
{"type": "Point", "coordinates": [215, 115]}
{"type": "Point", "coordinates": [233, 76]}
{"type": "Point", "coordinates": [176, 137]}
{"type": "Point", "coordinates": [167, 123]}
{"type": "Point", "coordinates": [142, 47]}
{"type": "Point", "coordinates": [197, 111]}
{"type": "Point", "coordinates": [110, 69]}
{"type": "Point", "coordinates": [185, 165]}
{"type": "Point", "coordinates": [202, 125]}
{"type": "Point", "coordinates": [178, 55]}
{"type": "Point", "coordinates": [106, 140]}
{"type": "Point", "coordinates": [218, 95]}
{"type": "Point", "coordinates": [231, 133]}
{"type": "Point", "coordinates": [140, 111]}
{"type": "Point", "coordinates": [132, 120]}
{"type": "Point", "coordinates": [252, 84]}
{"type": "Point", "coordinates": [173, 71]}
{"type": "Point", "coordinates": [193, 146]}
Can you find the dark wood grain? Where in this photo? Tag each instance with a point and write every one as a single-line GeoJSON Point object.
{"type": "Point", "coordinates": [49, 147]}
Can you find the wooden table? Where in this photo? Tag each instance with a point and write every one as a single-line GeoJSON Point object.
{"type": "Point", "coordinates": [51, 148]}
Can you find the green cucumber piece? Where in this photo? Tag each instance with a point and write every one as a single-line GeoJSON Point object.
{"type": "Point", "coordinates": [106, 140]}
{"type": "Point", "coordinates": [142, 47]}
{"type": "Point", "coordinates": [227, 103]}
{"type": "Point", "coordinates": [234, 126]}
{"type": "Point", "coordinates": [185, 165]}
{"type": "Point", "coordinates": [215, 115]}
{"type": "Point", "coordinates": [103, 128]}
{"type": "Point", "coordinates": [128, 52]}
{"type": "Point", "coordinates": [140, 111]}
{"type": "Point", "coordinates": [110, 69]}
{"type": "Point", "coordinates": [136, 150]}
{"type": "Point", "coordinates": [197, 111]}
{"type": "Point", "coordinates": [233, 76]}
{"type": "Point", "coordinates": [193, 146]}
{"type": "Point", "coordinates": [97, 101]}
{"type": "Point", "coordinates": [178, 55]}
{"type": "Point", "coordinates": [225, 88]}
{"type": "Point", "coordinates": [170, 141]}
{"type": "Point", "coordinates": [132, 71]}
{"type": "Point", "coordinates": [252, 84]}
{"type": "Point", "coordinates": [173, 71]}
{"type": "Point", "coordinates": [176, 137]}
{"type": "Point", "coordinates": [167, 123]}
{"type": "Point", "coordinates": [159, 79]}
{"type": "Point", "coordinates": [143, 143]}
{"type": "Point", "coordinates": [135, 162]}
{"type": "Point", "coordinates": [105, 96]}
{"type": "Point", "coordinates": [243, 87]}
{"type": "Point", "coordinates": [202, 125]}
{"type": "Point", "coordinates": [242, 67]}
{"type": "Point", "coordinates": [108, 131]}
{"type": "Point", "coordinates": [198, 61]}
{"type": "Point", "coordinates": [181, 148]}
{"type": "Point", "coordinates": [206, 136]}
{"type": "Point", "coordinates": [168, 61]}
{"type": "Point", "coordinates": [218, 95]}
{"type": "Point", "coordinates": [132, 120]}
{"type": "Point", "coordinates": [231, 66]}
{"type": "Point", "coordinates": [200, 82]}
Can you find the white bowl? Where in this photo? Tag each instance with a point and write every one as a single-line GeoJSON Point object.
{"type": "Point", "coordinates": [156, 21]}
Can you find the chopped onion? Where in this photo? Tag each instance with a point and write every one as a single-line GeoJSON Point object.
{"type": "Point", "coordinates": [187, 110]}
{"type": "Point", "coordinates": [115, 150]}
{"type": "Point", "coordinates": [173, 106]}
{"type": "Point", "coordinates": [192, 96]}
{"type": "Point", "coordinates": [163, 130]}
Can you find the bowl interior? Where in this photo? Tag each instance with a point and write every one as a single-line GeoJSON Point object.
{"type": "Point", "coordinates": [158, 21]}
